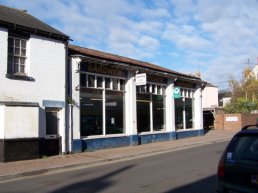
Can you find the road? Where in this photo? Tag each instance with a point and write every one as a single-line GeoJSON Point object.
{"type": "Point", "coordinates": [191, 170]}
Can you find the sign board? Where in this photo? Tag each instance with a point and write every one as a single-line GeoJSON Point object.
{"type": "Point", "coordinates": [231, 119]}
{"type": "Point", "coordinates": [177, 93]}
{"type": "Point", "coordinates": [140, 79]}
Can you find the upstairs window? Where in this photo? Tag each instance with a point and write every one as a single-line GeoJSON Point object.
{"type": "Point", "coordinates": [16, 56]}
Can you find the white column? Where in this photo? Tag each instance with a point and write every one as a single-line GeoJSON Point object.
{"type": "Point", "coordinates": [130, 105]}
{"type": "Point", "coordinates": [198, 114]}
{"type": "Point", "coordinates": [170, 107]}
{"type": "Point", "coordinates": [75, 110]}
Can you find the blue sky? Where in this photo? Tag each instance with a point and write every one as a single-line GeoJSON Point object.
{"type": "Point", "coordinates": [216, 37]}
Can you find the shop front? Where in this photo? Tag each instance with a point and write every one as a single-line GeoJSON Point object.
{"type": "Point", "coordinates": [111, 109]}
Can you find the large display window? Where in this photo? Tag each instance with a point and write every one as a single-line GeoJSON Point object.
{"type": "Point", "coordinates": [184, 110]}
{"type": "Point", "coordinates": [102, 105]}
{"type": "Point", "coordinates": [150, 108]}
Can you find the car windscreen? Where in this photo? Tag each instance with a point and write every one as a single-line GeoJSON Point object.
{"type": "Point", "coordinates": [244, 148]}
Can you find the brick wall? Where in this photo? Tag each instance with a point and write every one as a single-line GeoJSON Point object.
{"type": "Point", "coordinates": [234, 121]}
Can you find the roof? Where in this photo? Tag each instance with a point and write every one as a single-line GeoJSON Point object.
{"type": "Point", "coordinates": [112, 57]}
{"type": "Point", "coordinates": [22, 19]}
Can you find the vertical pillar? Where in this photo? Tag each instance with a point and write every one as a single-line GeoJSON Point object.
{"type": "Point", "coordinates": [75, 134]}
{"type": "Point", "coordinates": [170, 109]}
{"type": "Point", "coordinates": [130, 108]}
{"type": "Point", "coordinates": [198, 114]}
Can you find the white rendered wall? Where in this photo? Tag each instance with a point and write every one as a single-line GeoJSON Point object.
{"type": "Point", "coordinates": [198, 114]}
{"type": "Point", "coordinates": [210, 97]}
{"type": "Point", "coordinates": [25, 124]}
{"type": "Point", "coordinates": [2, 116]}
{"type": "Point", "coordinates": [46, 59]}
{"type": "Point", "coordinates": [46, 64]}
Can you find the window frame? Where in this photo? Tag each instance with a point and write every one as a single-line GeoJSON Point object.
{"type": "Point", "coordinates": [11, 66]}
{"type": "Point", "coordinates": [104, 89]}
{"type": "Point", "coordinates": [186, 93]}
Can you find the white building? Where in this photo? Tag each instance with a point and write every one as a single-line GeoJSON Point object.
{"type": "Point", "coordinates": [32, 87]}
{"type": "Point", "coordinates": [111, 110]}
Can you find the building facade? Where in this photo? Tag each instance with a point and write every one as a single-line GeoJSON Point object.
{"type": "Point", "coordinates": [32, 87]}
{"type": "Point", "coordinates": [110, 108]}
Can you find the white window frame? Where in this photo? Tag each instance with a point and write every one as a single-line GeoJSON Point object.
{"type": "Point", "coordinates": [12, 69]}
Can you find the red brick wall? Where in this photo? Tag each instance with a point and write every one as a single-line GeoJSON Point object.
{"type": "Point", "coordinates": [234, 121]}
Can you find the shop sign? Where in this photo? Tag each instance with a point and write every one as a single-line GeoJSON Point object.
{"type": "Point", "coordinates": [185, 84]}
{"type": "Point", "coordinates": [140, 79]}
{"type": "Point", "coordinates": [156, 79]}
{"type": "Point", "coordinates": [177, 93]}
{"type": "Point", "coordinates": [106, 70]}
{"type": "Point", "coordinates": [231, 119]}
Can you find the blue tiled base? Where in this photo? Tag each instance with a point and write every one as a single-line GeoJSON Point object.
{"type": "Point", "coordinates": [103, 143]}
{"type": "Point", "coordinates": [77, 145]}
{"type": "Point", "coordinates": [150, 138]}
{"type": "Point", "coordinates": [191, 133]}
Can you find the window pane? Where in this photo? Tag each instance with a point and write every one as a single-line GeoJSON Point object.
{"type": "Point", "coordinates": [23, 52]}
{"type": "Point", "coordinates": [108, 83]}
{"type": "Point", "coordinates": [10, 51]}
{"type": "Point", "coordinates": [179, 106]}
{"type": "Point", "coordinates": [17, 43]}
{"type": "Point", "coordinates": [153, 89]}
{"type": "Point", "coordinates": [22, 68]}
{"type": "Point", "coordinates": [99, 82]}
{"type": "Point", "coordinates": [143, 112]}
{"type": "Point", "coordinates": [189, 113]}
{"type": "Point", "coordinates": [158, 112]}
{"type": "Point", "coordinates": [115, 84]}
{"type": "Point", "coordinates": [91, 112]}
{"type": "Point", "coordinates": [83, 80]}
{"type": "Point", "coordinates": [114, 112]}
{"type": "Point", "coordinates": [10, 42]}
{"type": "Point", "coordinates": [122, 84]}
{"type": "Point", "coordinates": [91, 81]}
{"type": "Point", "coordinates": [17, 51]}
{"type": "Point", "coordinates": [23, 43]}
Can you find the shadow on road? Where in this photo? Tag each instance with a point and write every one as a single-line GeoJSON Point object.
{"type": "Point", "coordinates": [94, 185]}
{"type": "Point", "coordinates": [206, 185]}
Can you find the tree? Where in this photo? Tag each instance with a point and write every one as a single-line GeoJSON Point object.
{"type": "Point", "coordinates": [244, 94]}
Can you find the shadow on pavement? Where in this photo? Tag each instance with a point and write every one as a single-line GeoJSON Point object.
{"type": "Point", "coordinates": [94, 185]}
{"type": "Point", "coordinates": [206, 185]}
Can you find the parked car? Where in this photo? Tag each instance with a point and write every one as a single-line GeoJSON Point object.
{"type": "Point", "coordinates": [238, 166]}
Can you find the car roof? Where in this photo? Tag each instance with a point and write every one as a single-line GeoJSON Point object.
{"type": "Point", "coordinates": [249, 129]}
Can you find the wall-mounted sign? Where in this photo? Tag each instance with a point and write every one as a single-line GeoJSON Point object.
{"type": "Point", "coordinates": [231, 119]}
{"type": "Point", "coordinates": [185, 84]}
{"type": "Point", "coordinates": [177, 93]}
{"type": "Point", "coordinates": [156, 79]}
{"type": "Point", "coordinates": [140, 79]}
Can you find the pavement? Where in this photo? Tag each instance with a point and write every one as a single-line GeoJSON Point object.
{"type": "Point", "coordinates": [21, 169]}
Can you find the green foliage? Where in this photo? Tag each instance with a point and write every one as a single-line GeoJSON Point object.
{"type": "Point", "coordinates": [241, 105]}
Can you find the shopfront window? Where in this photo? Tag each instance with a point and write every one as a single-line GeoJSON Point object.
{"type": "Point", "coordinates": [143, 112]}
{"type": "Point", "coordinates": [158, 112]}
{"type": "Point", "coordinates": [184, 110]}
{"type": "Point", "coordinates": [150, 108]}
{"type": "Point", "coordinates": [114, 112]}
{"type": "Point", "coordinates": [102, 105]}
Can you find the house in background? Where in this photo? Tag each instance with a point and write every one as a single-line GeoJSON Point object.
{"type": "Point", "coordinates": [32, 87]}
{"type": "Point", "coordinates": [209, 104]}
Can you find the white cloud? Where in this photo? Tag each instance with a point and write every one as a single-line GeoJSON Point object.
{"type": "Point", "coordinates": [218, 35]}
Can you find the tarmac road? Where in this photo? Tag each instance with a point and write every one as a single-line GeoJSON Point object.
{"type": "Point", "coordinates": [191, 170]}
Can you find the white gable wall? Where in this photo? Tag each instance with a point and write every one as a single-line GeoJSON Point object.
{"type": "Point", "coordinates": [46, 64]}
{"type": "Point", "coordinates": [210, 97]}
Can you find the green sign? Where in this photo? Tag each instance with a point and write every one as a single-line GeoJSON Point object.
{"type": "Point", "coordinates": [177, 93]}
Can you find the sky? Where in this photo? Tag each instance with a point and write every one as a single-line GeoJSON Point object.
{"type": "Point", "coordinates": [218, 38]}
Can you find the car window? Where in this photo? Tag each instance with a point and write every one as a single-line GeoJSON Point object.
{"type": "Point", "coordinates": [245, 148]}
